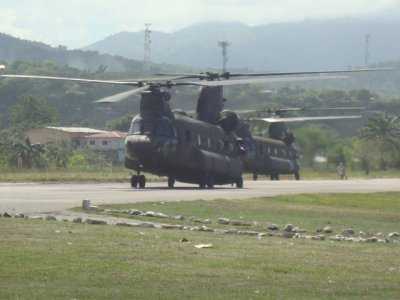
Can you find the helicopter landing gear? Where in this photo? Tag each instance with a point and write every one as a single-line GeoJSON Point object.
{"type": "Point", "coordinates": [274, 176]}
{"type": "Point", "coordinates": [239, 183]}
{"type": "Point", "coordinates": [171, 182]}
{"type": "Point", "coordinates": [297, 175]}
{"type": "Point", "coordinates": [138, 181]}
{"type": "Point", "coordinates": [255, 176]}
{"type": "Point", "coordinates": [206, 181]}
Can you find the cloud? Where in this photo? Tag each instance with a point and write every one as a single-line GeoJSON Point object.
{"type": "Point", "coordinates": [77, 23]}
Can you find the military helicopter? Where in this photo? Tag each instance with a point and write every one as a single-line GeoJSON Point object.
{"type": "Point", "coordinates": [214, 148]}
{"type": "Point", "coordinates": [277, 155]}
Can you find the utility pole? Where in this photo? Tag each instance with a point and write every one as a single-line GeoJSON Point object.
{"type": "Point", "coordinates": [147, 45]}
{"type": "Point", "coordinates": [224, 45]}
{"type": "Point", "coordinates": [367, 49]}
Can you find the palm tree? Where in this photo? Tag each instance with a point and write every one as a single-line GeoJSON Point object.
{"type": "Point", "coordinates": [384, 131]}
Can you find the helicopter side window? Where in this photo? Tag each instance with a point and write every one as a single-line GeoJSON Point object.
{"type": "Point", "coordinates": [199, 140]}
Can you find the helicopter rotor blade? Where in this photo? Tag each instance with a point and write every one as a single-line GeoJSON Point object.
{"type": "Point", "coordinates": [79, 80]}
{"type": "Point", "coordinates": [122, 96]}
{"type": "Point", "coordinates": [305, 119]}
{"type": "Point", "coordinates": [263, 80]}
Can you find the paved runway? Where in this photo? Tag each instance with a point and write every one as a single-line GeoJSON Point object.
{"type": "Point", "coordinates": [33, 197]}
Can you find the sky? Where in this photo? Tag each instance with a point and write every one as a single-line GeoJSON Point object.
{"type": "Point", "coordinates": [78, 23]}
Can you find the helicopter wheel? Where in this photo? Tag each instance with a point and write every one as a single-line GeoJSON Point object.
{"type": "Point", "coordinates": [210, 182]}
{"type": "Point", "coordinates": [274, 176]}
{"type": "Point", "coordinates": [203, 181]}
{"type": "Point", "coordinates": [297, 175]}
{"type": "Point", "coordinates": [142, 181]}
{"type": "Point", "coordinates": [134, 181]}
{"type": "Point", "coordinates": [171, 182]}
{"type": "Point", "coordinates": [255, 176]}
{"type": "Point", "coordinates": [239, 183]}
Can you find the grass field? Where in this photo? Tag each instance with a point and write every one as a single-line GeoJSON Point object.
{"type": "Point", "coordinates": [123, 175]}
{"type": "Point", "coordinates": [57, 260]}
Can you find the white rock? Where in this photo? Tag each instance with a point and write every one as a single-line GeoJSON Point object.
{"type": "Point", "coordinates": [224, 221]}
{"type": "Point", "coordinates": [288, 228]}
{"type": "Point", "coordinates": [394, 234]}
{"type": "Point", "coordinates": [273, 227]}
{"type": "Point", "coordinates": [327, 229]}
{"type": "Point", "coordinates": [204, 246]}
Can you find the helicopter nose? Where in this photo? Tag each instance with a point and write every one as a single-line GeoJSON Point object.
{"type": "Point", "coordinates": [138, 145]}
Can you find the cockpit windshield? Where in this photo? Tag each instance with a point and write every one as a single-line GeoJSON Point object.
{"type": "Point", "coordinates": [159, 127]}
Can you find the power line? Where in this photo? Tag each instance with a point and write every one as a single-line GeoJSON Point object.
{"type": "Point", "coordinates": [367, 49]}
{"type": "Point", "coordinates": [147, 44]}
{"type": "Point", "coordinates": [224, 45]}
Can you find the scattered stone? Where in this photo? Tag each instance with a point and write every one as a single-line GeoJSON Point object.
{"type": "Point", "coordinates": [299, 230]}
{"type": "Point", "coordinates": [224, 221]}
{"type": "Point", "coordinates": [373, 239]}
{"type": "Point", "coordinates": [394, 235]}
{"type": "Point", "coordinates": [273, 227]}
{"type": "Point", "coordinates": [206, 229]}
{"type": "Point", "coordinates": [288, 228]}
{"type": "Point", "coordinates": [230, 231]}
{"type": "Point", "coordinates": [171, 226]}
{"type": "Point", "coordinates": [50, 218]}
{"type": "Point", "coordinates": [19, 216]}
{"type": "Point", "coordinates": [207, 221]}
{"type": "Point", "coordinates": [319, 230]}
{"type": "Point", "coordinates": [77, 220]}
{"type": "Point", "coordinates": [204, 246]}
{"type": "Point", "coordinates": [362, 233]}
{"type": "Point", "coordinates": [179, 218]}
{"type": "Point", "coordinates": [348, 232]}
{"type": "Point", "coordinates": [36, 218]}
{"type": "Point", "coordinates": [123, 224]}
{"type": "Point", "coordinates": [380, 234]}
{"type": "Point", "coordinates": [288, 234]}
{"type": "Point", "coordinates": [7, 215]}
{"type": "Point", "coordinates": [145, 225]}
{"type": "Point", "coordinates": [95, 222]}
{"type": "Point", "coordinates": [319, 237]}
{"type": "Point", "coordinates": [337, 238]}
{"type": "Point", "coordinates": [327, 229]}
{"type": "Point", "coordinates": [262, 234]}
{"type": "Point", "coordinates": [135, 212]}
{"type": "Point", "coordinates": [184, 240]}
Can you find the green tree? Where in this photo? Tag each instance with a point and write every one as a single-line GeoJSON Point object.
{"type": "Point", "coordinates": [31, 112]}
{"type": "Point", "coordinates": [384, 131]}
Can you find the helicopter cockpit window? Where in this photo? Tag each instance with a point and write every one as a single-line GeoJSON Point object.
{"type": "Point", "coordinates": [136, 127]}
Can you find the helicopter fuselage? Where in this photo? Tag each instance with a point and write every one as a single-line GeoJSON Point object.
{"type": "Point", "coordinates": [193, 151]}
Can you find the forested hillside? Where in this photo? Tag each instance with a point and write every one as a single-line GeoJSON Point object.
{"type": "Point", "coordinates": [14, 49]}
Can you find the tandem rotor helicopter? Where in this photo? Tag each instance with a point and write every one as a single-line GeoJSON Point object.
{"type": "Point", "coordinates": [216, 146]}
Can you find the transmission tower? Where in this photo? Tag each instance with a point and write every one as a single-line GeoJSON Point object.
{"type": "Point", "coordinates": [224, 45]}
{"type": "Point", "coordinates": [367, 49]}
{"type": "Point", "coordinates": [147, 44]}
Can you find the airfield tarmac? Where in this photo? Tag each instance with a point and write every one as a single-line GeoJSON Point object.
{"type": "Point", "coordinates": [40, 198]}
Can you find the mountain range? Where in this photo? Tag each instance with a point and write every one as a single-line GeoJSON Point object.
{"type": "Point", "coordinates": [305, 45]}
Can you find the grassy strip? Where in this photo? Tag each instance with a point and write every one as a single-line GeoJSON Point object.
{"type": "Point", "coordinates": [57, 260]}
{"type": "Point", "coordinates": [104, 175]}
{"type": "Point", "coordinates": [374, 213]}
{"type": "Point", "coordinates": [45, 260]}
